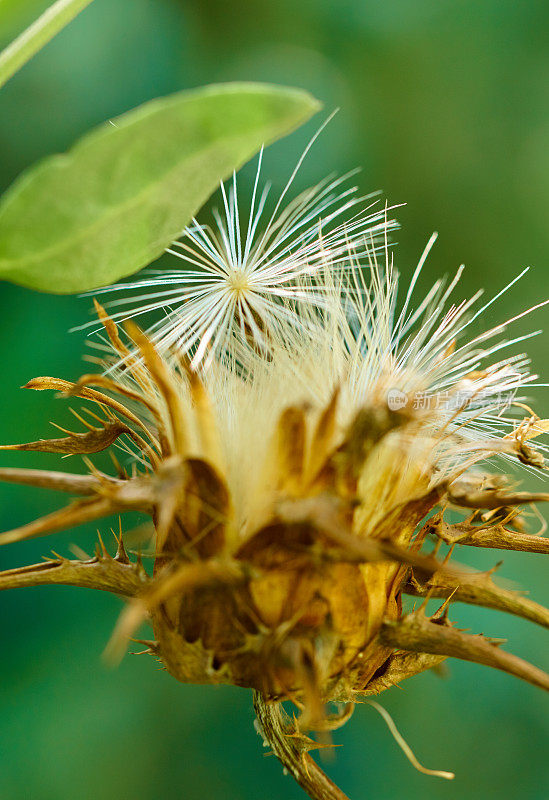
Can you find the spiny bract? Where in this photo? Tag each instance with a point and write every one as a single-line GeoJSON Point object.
{"type": "Point", "coordinates": [295, 448]}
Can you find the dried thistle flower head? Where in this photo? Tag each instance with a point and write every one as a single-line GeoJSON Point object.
{"type": "Point", "coordinates": [293, 478]}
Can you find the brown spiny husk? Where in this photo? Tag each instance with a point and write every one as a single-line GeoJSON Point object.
{"type": "Point", "coordinates": [302, 599]}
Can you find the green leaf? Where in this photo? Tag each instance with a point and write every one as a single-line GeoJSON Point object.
{"type": "Point", "coordinates": [22, 49]}
{"type": "Point", "coordinates": [113, 203]}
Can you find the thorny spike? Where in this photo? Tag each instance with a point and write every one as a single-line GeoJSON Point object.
{"type": "Point", "coordinates": [441, 614]}
{"type": "Point", "coordinates": [107, 383]}
{"type": "Point", "coordinates": [503, 539]}
{"type": "Point", "coordinates": [121, 552]}
{"type": "Point", "coordinates": [92, 468]}
{"type": "Point", "coordinates": [101, 550]}
{"type": "Point", "coordinates": [416, 633]}
{"type": "Point", "coordinates": [479, 589]}
{"type": "Point", "coordinates": [56, 481]}
{"type": "Point", "coordinates": [120, 471]}
{"type": "Point", "coordinates": [493, 498]}
{"type": "Point", "coordinates": [95, 440]}
{"type": "Point", "coordinates": [54, 424]}
{"type": "Point", "coordinates": [151, 645]}
{"type": "Point", "coordinates": [69, 388]}
{"type": "Point", "coordinates": [105, 575]}
{"type": "Point", "coordinates": [81, 419]}
{"type": "Point", "coordinates": [95, 416]}
{"type": "Point", "coordinates": [110, 497]}
{"type": "Point", "coordinates": [76, 514]}
{"type": "Point", "coordinates": [495, 535]}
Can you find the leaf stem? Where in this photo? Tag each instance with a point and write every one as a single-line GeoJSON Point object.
{"type": "Point", "coordinates": [291, 750]}
{"type": "Point", "coordinates": [38, 34]}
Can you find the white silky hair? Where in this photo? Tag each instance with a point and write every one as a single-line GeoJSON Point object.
{"type": "Point", "coordinates": [308, 304]}
{"type": "Point", "coordinates": [234, 285]}
{"type": "Point", "coordinates": [357, 343]}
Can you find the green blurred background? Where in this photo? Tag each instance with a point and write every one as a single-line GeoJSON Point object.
{"type": "Point", "coordinates": [444, 105]}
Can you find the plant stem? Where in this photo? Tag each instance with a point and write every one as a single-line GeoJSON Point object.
{"type": "Point", "coordinates": [291, 750]}
{"type": "Point", "coordinates": [38, 34]}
